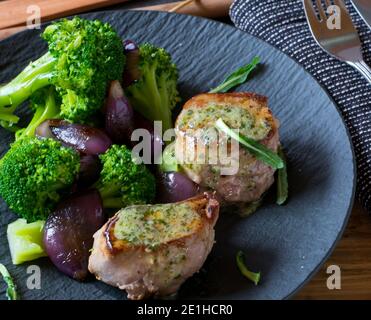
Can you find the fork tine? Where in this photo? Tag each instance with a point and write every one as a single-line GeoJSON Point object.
{"type": "Point", "coordinates": [310, 13]}
{"type": "Point", "coordinates": [345, 16]}
{"type": "Point", "coordinates": [321, 11]}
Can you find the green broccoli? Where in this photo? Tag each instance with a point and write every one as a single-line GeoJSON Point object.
{"type": "Point", "coordinates": [122, 182]}
{"type": "Point", "coordinates": [44, 106]}
{"type": "Point", "coordinates": [83, 57]}
{"type": "Point", "coordinates": [34, 173]}
{"type": "Point", "coordinates": [155, 94]}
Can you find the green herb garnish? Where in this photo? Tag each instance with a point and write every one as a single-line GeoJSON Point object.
{"type": "Point", "coordinates": [11, 291]}
{"type": "Point", "coordinates": [237, 77]}
{"type": "Point", "coordinates": [260, 151]}
{"type": "Point", "coordinates": [282, 182]}
{"type": "Point", "coordinates": [240, 259]}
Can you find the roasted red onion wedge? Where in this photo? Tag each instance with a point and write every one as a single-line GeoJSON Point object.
{"type": "Point", "coordinates": [119, 115]}
{"type": "Point", "coordinates": [131, 72]}
{"type": "Point", "coordinates": [157, 144]}
{"type": "Point", "coordinates": [68, 232]}
{"type": "Point", "coordinates": [44, 131]}
{"type": "Point", "coordinates": [85, 139]}
{"type": "Point", "coordinates": [90, 167]}
{"type": "Point", "coordinates": [174, 187]}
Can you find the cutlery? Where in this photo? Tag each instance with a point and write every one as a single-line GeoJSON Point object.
{"type": "Point", "coordinates": [363, 8]}
{"type": "Point", "coordinates": [343, 43]}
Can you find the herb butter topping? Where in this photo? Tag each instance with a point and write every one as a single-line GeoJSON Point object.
{"type": "Point", "coordinates": [152, 225]}
{"type": "Point", "coordinates": [252, 122]}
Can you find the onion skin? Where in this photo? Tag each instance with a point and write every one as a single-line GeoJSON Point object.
{"type": "Point", "coordinates": [119, 115]}
{"type": "Point", "coordinates": [174, 187]}
{"type": "Point", "coordinates": [131, 72]}
{"type": "Point", "coordinates": [69, 230]}
{"type": "Point", "coordinates": [84, 139]}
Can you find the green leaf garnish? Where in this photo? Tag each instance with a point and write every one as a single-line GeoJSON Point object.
{"type": "Point", "coordinates": [240, 259]}
{"type": "Point", "coordinates": [282, 182]}
{"type": "Point", "coordinates": [237, 77]}
{"type": "Point", "coordinates": [260, 151]}
{"type": "Point", "coordinates": [11, 291]}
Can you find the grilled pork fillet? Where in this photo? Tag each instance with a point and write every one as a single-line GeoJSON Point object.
{"type": "Point", "coordinates": [152, 249]}
{"type": "Point", "coordinates": [247, 112]}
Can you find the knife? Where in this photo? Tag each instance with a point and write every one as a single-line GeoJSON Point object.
{"type": "Point", "coordinates": [363, 7]}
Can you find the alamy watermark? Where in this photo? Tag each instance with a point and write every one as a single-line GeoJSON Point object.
{"type": "Point", "coordinates": [334, 17]}
{"type": "Point", "coordinates": [34, 17]}
{"type": "Point", "coordinates": [206, 146]}
{"type": "Point", "coordinates": [33, 281]}
{"type": "Point", "coordinates": [334, 280]}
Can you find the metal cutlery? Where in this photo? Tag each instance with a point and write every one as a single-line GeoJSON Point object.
{"type": "Point", "coordinates": [342, 43]}
{"type": "Point", "coordinates": [363, 8]}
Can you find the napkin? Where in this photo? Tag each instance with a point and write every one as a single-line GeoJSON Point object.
{"type": "Point", "coordinates": [282, 23]}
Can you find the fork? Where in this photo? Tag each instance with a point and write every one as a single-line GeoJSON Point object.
{"type": "Point", "coordinates": [343, 43]}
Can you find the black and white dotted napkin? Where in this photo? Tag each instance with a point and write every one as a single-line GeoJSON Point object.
{"type": "Point", "coordinates": [282, 23]}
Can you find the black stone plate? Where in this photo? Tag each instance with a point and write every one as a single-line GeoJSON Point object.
{"type": "Point", "coordinates": [286, 243]}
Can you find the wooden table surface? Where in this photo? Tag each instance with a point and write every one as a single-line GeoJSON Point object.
{"type": "Point", "coordinates": [352, 254]}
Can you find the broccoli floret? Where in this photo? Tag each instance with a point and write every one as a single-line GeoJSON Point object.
{"type": "Point", "coordinates": [155, 94]}
{"type": "Point", "coordinates": [44, 105]}
{"type": "Point", "coordinates": [33, 175]}
{"type": "Point", "coordinates": [83, 57]}
{"type": "Point", "coordinates": [122, 182]}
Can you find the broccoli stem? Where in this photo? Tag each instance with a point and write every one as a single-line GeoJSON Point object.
{"type": "Point", "coordinates": [35, 76]}
{"type": "Point", "coordinates": [160, 110]}
{"type": "Point", "coordinates": [44, 112]}
{"type": "Point", "coordinates": [8, 117]}
{"type": "Point", "coordinates": [109, 196]}
{"type": "Point", "coordinates": [152, 105]}
{"type": "Point", "coordinates": [112, 203]}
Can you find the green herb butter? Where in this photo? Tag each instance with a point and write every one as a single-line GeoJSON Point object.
{"type": "Point", "coordinates": [250, 125]}
{"type": "Point", "coordinates": [153, 225]}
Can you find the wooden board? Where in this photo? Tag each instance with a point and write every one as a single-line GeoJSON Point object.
{"type": "Point", "coordinates": [14, 12]}
{"type": "Point", "coordinates": [353, 256]}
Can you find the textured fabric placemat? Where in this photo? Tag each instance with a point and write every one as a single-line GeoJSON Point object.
{"type": "Point", "coordinates": [282, 23]}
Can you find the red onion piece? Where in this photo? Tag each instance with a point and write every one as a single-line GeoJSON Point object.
{"type": "Point", "coordinates": [90, 168]}
{"type": "Point", "coordinates": [85, 139]}
{"type": "Point", "coordinates": [43, 130]}
{"type": "Point", "coordinates": [174, 187]}
{"type": "Point", "coordinates": [119, 115]}
{"type": "Point", "coordinates": [69, 230]}
{"type": "Point", "coordinates": [157, 144]}
{"type": "Point", "coordinates": [82, 138]}
{"type": "Point", "coordinates": [131, 72]}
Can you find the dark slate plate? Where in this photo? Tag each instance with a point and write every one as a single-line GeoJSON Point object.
{"type": "Point", "coordinates": [287, 244]}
